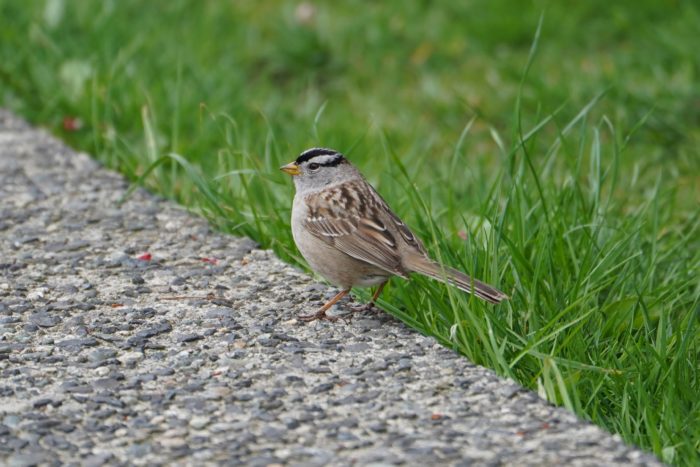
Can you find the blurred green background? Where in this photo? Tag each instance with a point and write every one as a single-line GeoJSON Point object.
{"type": "Point", "coordinates": [548, 147]}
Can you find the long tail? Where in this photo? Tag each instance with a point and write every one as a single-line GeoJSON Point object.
{"type": "Point", "coordinates": [455, 278]}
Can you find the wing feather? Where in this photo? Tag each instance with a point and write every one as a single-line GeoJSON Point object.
{"type": "Point", "coordinates": [336, 218]}
{"type": "Point", "coordinates": [397, 223]}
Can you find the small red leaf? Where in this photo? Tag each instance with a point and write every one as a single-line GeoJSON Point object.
{"type": "Point", "coordinates": [209, 260]}
{"type": "Point", "coordinates": [145, 257]}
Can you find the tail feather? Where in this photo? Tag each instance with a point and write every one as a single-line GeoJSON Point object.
{"type": "Point", "coordinates": [455, 278]}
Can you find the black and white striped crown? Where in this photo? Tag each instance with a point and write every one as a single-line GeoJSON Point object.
{"type": "Point", "coordinates": [322, 156]}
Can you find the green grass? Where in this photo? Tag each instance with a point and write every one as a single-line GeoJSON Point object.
{"type": "Point", "coordinates": [565, 170]}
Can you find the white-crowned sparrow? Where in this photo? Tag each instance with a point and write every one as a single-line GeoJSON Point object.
{"type": "Point", "coordinates": [349, 235]}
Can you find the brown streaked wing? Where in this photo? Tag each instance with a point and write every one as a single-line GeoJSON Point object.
{"type": "Point", "coordinates": [402, 228]}
{"type": "Point", "coordinates": [363, 237]}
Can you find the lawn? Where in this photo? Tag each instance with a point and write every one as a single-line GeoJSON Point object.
{"type": "Point", "coordinates": [549, 148]}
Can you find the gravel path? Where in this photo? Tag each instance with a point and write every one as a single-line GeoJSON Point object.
{"type": "Point", "coordinates": [194, 356]}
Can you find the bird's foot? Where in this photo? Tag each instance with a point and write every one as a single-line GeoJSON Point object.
{"type": "Point", "coordinates": [321, 313]}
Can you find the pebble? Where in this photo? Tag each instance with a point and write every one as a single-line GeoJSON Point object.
{"type": "Point", "coordinates": [44, 320]}
{"type": "Point", "coordinates": [198, 422]}
{"type": "Point", "coordinates": [130, 357]}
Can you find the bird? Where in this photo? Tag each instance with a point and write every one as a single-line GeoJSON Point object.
{"type": "Point", "coordinates": [349, 235]}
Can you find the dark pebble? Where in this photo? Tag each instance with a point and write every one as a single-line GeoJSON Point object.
{"type": "Point", "coordinates": [77, 343]}
{"type": "Point", "coordinates": [293, 424]}
{"type": "Point", "coordinates": [108, 400]}
{"type": "Point", "coordinates": [9, 320]}
{"type": "Point", "coordinates": [103, 413]}
{"type": "Point", "coordinates": [190, 337]}
{"type": "Point", "coordinates": [44, 320]}
{"type": "Point", "coordinates": [378, 427]}
{"type": "Point", "coordinates": [325, 387]}
{"type": "Point", "coordinates": [137, 280]}
{"type": "Point", "coordinates": [271, 405]}
{"type": "Point", "coordinates": [15, 444]}
{"type": "Point", "coordinates": [74, 387]}
{"type": "Point", "coordinates": [159, 328]}
{"type": "Point", "coordinates": [47, 401]}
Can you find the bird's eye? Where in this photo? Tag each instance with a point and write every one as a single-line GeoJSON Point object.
{"type": "Point", "coordinates": [314, 166]}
